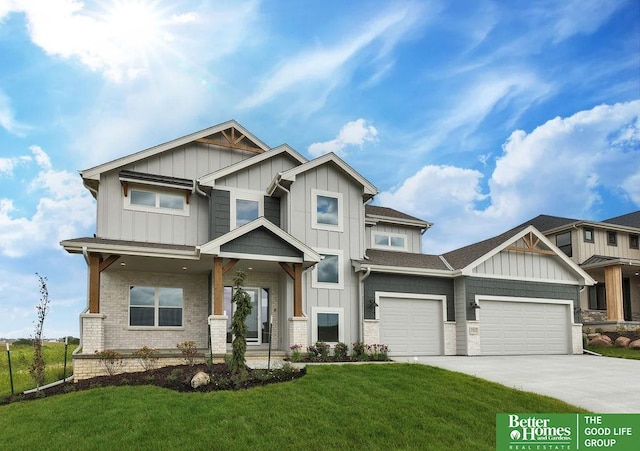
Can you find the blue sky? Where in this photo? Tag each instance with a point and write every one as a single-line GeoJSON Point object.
{"type": "Point", "coordinates": [473, 115]}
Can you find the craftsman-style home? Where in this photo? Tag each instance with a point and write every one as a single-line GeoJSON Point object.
{"type": "Point", "coordinates": [175, 222]}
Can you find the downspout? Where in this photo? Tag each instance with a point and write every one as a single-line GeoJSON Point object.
{"type": "Point", "coordinates": [196, 189]}
{"type": "Point", "coordinates": [362, 278]}
{"type": "Point", "coordinates": [288, 205]}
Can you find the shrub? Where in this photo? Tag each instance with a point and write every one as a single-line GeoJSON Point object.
{"type": "Point", "coordinates": [340, 351]}
{"type": "Point", "coordinates": [599, 330]}
{"type": "Point", "coordinates": [110, 360]}
{"type": "Point", "coordinates": [242, 301]}
{"type": "Point", "coordinates": [37, 367]}
{"type": "Point", "coordinates": [378, 352]}
{"type": "Point", "coordinates": [358, 351]}
{"type": "Point", "coordinates": [148, 357]}
{"type": "Point", "coordinates": [319, 351]}
{"type": "Point", "coordinates": [295, 353]}
{"type": "Point", "coordinates": [189, 351]}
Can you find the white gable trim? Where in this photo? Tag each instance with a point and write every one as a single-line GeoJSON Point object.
{"type": "Point", "coordinates": [290, 175]}
{"type": "Point", "coordinates": [94, 172]}
{"type": "Point", "coordinates": [213, 246]}
{"type": "Point", "coordinates": [210, 179]}
{"type": "Point", "coordinates": [586, 279]}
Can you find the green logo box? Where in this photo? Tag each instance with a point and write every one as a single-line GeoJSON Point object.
{"type": "Point", "coordinates": [567, 431]}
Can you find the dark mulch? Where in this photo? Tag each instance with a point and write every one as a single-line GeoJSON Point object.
{"type": "Point", "coordinates": [176, 377]}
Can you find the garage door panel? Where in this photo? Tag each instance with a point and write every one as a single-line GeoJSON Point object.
{"type": "Point", "coordinates": [411, 326]}
{"type": "Point", "coordinates": [511, 328]}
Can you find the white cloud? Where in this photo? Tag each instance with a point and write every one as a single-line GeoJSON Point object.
{"type": "Point", "coordinates": [354, 133]}
{"type": "Point", "coordinates": [560, 168]}
{"type": "Point", "coordinates": [118, 40]}
{"type": "Point", "coordinates": [64, 210]}
{"type": "Point", "coordinates": [316, 72]}
{"type": "Point", "coordinates": [7, 117]}
{"type": "Point", "coordinates": [580, 17]}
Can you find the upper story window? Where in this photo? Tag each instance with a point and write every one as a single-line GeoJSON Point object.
{"type": "Point", "coordinates": [155, 306]}
{"type": "Point", "coordinates": [612, 238]}
{"type": "Point", "coordinates": [563, 241]}
{"type": "Point", "coordinates": [392, 241]}
{"type": "Point", "coordinates": [327, 273]}
{"type": "Point", "coordinates": [588, 235]}
{"type": "Point", "coordinates": [157, 201]}
{"type": "Point", "coordinates": [326, 210]}
{"type": "Point", "coordinates": [245, 207]}
{"type": "Point", "coordinates": [633, 241]}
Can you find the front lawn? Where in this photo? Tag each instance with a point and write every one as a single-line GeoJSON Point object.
{"type": "Point", "coordinates": [383, 406]}
{"type": "Point", "coordinates": [623, 353]}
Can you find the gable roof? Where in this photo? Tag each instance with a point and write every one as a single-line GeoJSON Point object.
{"type": "Point", "coordinates": [329, 158]}
{"type": "Point", "coordinates": [628, 220]}
{"type": "Point", "coordinates": [94, 172]}
{"type": "Point", "coordinates": [389, 215]}
{"type": "Point", "coordinates": [210, 179]}
{"type": "Point", "coordinates": [468, 257]}
{"type": "Point", "coordinates": [213, 247]}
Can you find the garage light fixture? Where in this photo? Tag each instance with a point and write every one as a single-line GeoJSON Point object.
{"type": "Point", "coordinates": [474, 304]}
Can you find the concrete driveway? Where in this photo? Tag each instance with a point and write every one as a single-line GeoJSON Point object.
{"type": "Point", "coordinates": [598, 384]}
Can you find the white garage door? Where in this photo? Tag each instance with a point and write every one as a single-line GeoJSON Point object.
{"type": "Point", "coordinates": [510, 328]}
{"type": "Point", "coordinates": [411, 326]}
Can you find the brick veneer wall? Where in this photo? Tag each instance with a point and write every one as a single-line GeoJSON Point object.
{"type": "Point", "coordinates": [114, 304]}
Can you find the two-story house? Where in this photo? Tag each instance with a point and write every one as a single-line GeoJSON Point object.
{"type": "Point", "coordinates": [175, 221]}
{"type": "Point", "coordinates": [609, 252]}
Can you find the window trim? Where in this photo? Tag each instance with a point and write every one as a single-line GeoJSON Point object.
{"type": "Point", "coordinates": [390, 235]}
{"type": "Point", "coordinates": [332, 286]}
{"type": "Point", "coordinates": [637, 239]}
{"type": "Point", "coordinates": [615, 238]}
{"type": "Point", "coordinates": [156, 310]}
{"type": "Point", "coordinates": [314, 210]}
{"type": "Point", "coordinates": [314, 323]}
{"type": "Point", "coordinates": [235, 195]}
{"type": "Point", "coordinates": [157, 209]}
{"type": "Point", "coordinates": [570, 244]}
{"type": "Point", "coordinates": [584, 235]}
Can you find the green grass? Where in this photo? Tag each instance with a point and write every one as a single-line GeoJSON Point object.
{"type": "Point", "coordinates": [389, 406]}
{"type": "Point", "coordinates": [622, 353]}
{"type": "Point", "coordinates": [21, 357]}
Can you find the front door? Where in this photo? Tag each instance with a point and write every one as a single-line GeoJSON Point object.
{"type": "Point", "coordinates": [626, 299]}
{"type": "Point", "coordinates": [257, 321]}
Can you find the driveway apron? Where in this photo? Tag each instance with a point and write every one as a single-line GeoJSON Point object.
{"type": "Point", "coordinates": [598, 384]}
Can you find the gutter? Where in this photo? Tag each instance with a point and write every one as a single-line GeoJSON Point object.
{"type": "Point", "coordinates": [362, 278]}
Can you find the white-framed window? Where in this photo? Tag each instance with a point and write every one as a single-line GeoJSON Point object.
{"type": "Point", "coordinates": [245, 207]}
{"type": "Point", "coordinates": [327, 324]}
{"type": "Point", "coordinates": [173, 202]}
{"type": "Point", "coordinates": [394, 241]}
{"type": "Point", "coordinates": [155, 306]}
{"type": "Point", "coordinates": [328, 272]}
{"type": "Point", "coordinates": [326, 210]}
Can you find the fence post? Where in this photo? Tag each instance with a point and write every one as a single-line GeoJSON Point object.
{"type": "Point", "coordinates": [10, 371]}
{"type": "Point", "coordinates": [64, 368]}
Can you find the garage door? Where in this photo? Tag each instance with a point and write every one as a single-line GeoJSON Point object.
{"type": "Point", "coordinates": [510, 328]}
{"type": "Point", "coordinates": [411, 326]}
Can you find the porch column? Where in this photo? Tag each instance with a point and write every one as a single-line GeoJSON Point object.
{"type": "Point", "coordinates": [218, 289]}
{"type": "Point", "coordinates": [613, 287]}
{"type": "Point", "coordinates": [96, 266]}
{"type": "Point", "coordinates": [295, 273]}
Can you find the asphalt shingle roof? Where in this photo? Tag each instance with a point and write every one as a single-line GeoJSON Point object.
{"type": "Point", "coordinates": [404, 259]}
{"type": "Point", "coordinates": [389, 213]}
{"type": "Point", "coordinates": [629, 220]}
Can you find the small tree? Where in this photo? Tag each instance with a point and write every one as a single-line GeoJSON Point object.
{"type": "Point", "coordinates": [242, 300]}
{"type": "Point", "coordinates": [37, 367]}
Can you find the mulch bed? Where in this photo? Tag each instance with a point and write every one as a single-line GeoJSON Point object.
{"type": "Point", "coordinates": [176, 378]}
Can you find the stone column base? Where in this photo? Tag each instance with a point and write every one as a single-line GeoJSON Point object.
{"type": "Point", "coordinates": [299, 331]}
{"type": "Point", "coordinates": [218, 328]}
{"type": "Point", "coordinates": [371, 332]}
{"type": "Point", "coordinates": [92, 332]}
{"type": "Point", "coordinates": [449, 329]}
{"type": "Point", "coordinates": [576, 338]}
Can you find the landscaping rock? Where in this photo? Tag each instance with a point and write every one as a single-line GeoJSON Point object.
{"type": "Point", "coordinates": [634, 344]}
{"type": "Point", "coordinates": [200, 379]}
{"type": "Point", "coordinates": [601, 340]}
{"type": "Point", "coordinates": [622, 342]}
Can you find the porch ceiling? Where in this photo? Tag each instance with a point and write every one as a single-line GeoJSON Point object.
{"type": "Point", "coordinates": [202, 266]}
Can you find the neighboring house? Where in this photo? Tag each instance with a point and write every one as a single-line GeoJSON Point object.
{"type": "Point", "coordinates": [609, 252]}
{"type": "Point", "coordinates": [174, 223]}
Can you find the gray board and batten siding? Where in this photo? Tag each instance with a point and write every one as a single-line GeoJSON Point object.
{"type": "Point", "coordinates": [262, 242]}
{"type": "Point", "coordinates": [189, 161]}
{"type": "Point", "coordinates": [220, 211]}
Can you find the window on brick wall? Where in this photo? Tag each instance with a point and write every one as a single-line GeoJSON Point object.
{"type": "Point", "coordinates": [155, 306]}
